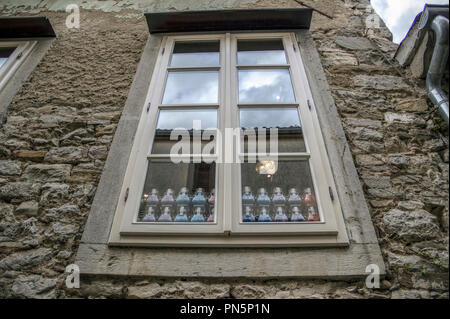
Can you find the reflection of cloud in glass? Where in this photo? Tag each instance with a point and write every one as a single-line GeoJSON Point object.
{"type": "Point", "coordinates": [192, 87]}
{"type": "Point", "coordinates": [269, 117]}
{"type": "Point", "coordinates": [259, 122]}
{"type": "Point", "coordinates": [265, 86]}
{"type": "Point", "coordinates": [170, 119]}
{"type": "Point", "coordinates": [265, 51]}
{"type": "Point", "coordinates": [198, 53]}
{"type": "Point", "coordinates": [195, 59]}
{"type": "Point", "coordinates": [261, 57]}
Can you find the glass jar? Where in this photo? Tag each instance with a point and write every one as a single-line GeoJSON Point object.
{"type": "Point", "coordinates": [247, 196]}
{"type": "Point", "coordinates": [278, 197]}
{"type": "Point", "coordinates": [263, 199]}
{"type": "Point", "coordinates": [280, 216]}
{"type": "Point", "coordinates": [296, 215]}
{"type": "Point", "coordinates": [211, 216]}
{"type": "Point", "coordinates": [168, 199]}
{"type": "Point", "coordinates": [308, 198]}
{"type": "Point", "coordinates": [212, 198]}
{"type": "Point", "coordinates": [150, 216]}
{"type": "Point", "coordinates": [248, 215]}
{"type": "Point", "coordinates": [198, 215]}
{"type": "Point", "coordinates": [153, 198]}
{"type": "Point", "coordinates": [264, 215]}
{"type": "Point", "coordinates": [294, 198]}
{"type": "Point", "coordinates": [166, 216]}
{"type": "Point", "coordinates": [182, 215]}
{"type": "Point", "coordinates": [183, 197]}
{"type": "Point", "coordinates": [199, 197]}
{"type": "Point", "coordinates": [312, 215]}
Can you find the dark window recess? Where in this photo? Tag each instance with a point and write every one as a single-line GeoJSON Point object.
{"type": "Point", "coordinates": [6, 52]}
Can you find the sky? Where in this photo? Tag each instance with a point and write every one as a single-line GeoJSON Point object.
{"type": "Point", "coordinates": [398, 15]}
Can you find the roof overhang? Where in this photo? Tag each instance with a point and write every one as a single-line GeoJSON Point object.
{"type": "Point", "coordinates": [229, 20]}
{"type": "Point", "coordinates": [414, 39]}
{"type": "Point", "coordinates": [25, 27]}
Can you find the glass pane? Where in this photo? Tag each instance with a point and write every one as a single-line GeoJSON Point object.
{"type": "Point", "coordinates": [192, 87]}
{"type": "Point", "coordinates": [265, 86]}
{"type": "Point", "coordinates": [261, 52]}
{"type": "Point", "coordinates": [190, 54]}
{"type": "Point", "coordinates": [278, 192]}
{"type": "Point", "coordinates": [183, 122]}
{"type": "Point", "coordinates": [257, 122]}
{"type": "Point", "coordinates": [4, 54]}
{"type": "Point", "coordinates": [178, 193]}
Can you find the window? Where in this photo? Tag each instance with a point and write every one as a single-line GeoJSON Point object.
{"type": "Point", "coordinates": [228, 151]}
{"type": "Point", "coordinates": [11, 56]}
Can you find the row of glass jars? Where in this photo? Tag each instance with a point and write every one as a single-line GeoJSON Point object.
{"type": "Point", "coordinates": [183, 198]}
{"type": "Point", "coordinates": [293, 198]}
{"type": "Point", "coordinates": [278, 214]}
{"type": "Point", "coordinates": [179, 214]}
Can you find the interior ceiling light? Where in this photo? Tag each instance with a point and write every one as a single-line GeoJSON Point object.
{"type": "Point", "coordinates": [266, 167]}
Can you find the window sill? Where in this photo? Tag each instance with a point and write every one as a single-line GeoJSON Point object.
{"type": "Point", "coordinates": [320, 263]}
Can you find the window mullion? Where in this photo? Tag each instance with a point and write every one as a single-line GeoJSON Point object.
{"type": "Point", "coordinates": [228, 121]}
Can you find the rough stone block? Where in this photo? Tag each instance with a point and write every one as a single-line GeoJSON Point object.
{"type": "Point", "coordinates": [19, 191]}
{"type": "Point", "coordinates": [10, 168]}
{"type": "Point", "coordinates": [47, 173]}
{"type": "Point", "coordinates": [403, 118]}
{"type": "Point", "coordinates": [354, 43]}
{"type": "Point", "coordinates": [398, 160]}
{"type": "Point", "coordinates": [411, 226]}
{"type": "Point", "coordinates": [29, 208]}
{"type": "Point", "coordinates": [29, 155]}
{"type": "Point", "coordinates": [368, 160]}
{"type": "Point", "coordinates": [23, 260]}
{"type": "Point", "coordinates": [67, 154]}
{"type": "Point", "coordinates": [380, 82]}
{"type": "Point", "coordinates": [34, 287]}
{"type": "Point", "coordinates": [366, 134]}
{"type": "Point", "coordinates": [359, 122]}
{"type": "Point", "coordinates": [54, 192]}
{"type": "Point", "coordinates": [410, 205]}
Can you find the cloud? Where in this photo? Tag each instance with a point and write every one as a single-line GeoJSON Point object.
{"type": "Point", "coordinates": [399, 15]}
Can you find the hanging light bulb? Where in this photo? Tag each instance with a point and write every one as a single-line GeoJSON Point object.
{"type": "Point", "coordinates": [266, 168]}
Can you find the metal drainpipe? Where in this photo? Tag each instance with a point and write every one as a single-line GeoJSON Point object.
{"type": "Point", "coordinates": [438, 65]}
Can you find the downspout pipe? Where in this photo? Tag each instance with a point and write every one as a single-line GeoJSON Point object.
{"type": "Point", "coordinates": [439, 25]}
{"type": "Point", "coordinates": [438, 65]}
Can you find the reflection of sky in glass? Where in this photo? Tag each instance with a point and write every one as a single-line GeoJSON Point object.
{"type": "Point", "coordinates": [192, 87]}
{"type": "Point", "coordinates": [265, 86]}
{"type": "Point", "coordinates": [261, 52]}
{"type": "Point", "coordinates": [269, 117]}
{"type": "Point", "coordinates": [2, 60]}
{"type": "Point", "coordinates": [4, 54]}
{"type": "Point", "coordinates": [261, 57]}
{"type": "Point", "coordinates": [287, 122]}
{"type": "Point", "coordinates": [170, 119]}
{"type": "Point", "coordinates": [189, 54]}
{"type": "Point", "coordinates": [195, 59]}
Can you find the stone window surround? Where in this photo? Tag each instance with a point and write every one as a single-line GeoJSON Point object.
{"type": "Point", "coordinates": [95, 257]}
{"type": "Point", "coordinates": [228, 231]}
{"type": "Point", "coordinates": [33, 50]}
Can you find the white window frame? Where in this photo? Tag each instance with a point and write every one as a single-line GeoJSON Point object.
{"type": "Point", "coordinates": [228, 230]}
{"type": "Point", "coordinates": [22, 50]}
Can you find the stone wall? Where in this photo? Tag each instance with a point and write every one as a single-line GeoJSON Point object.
{"type": "Point", "coordinates": [60, 126]}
